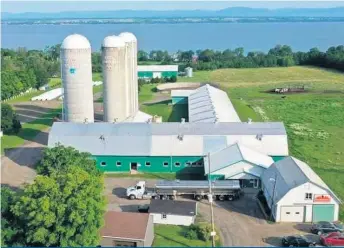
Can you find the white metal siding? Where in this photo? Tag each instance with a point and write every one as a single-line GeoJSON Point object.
{"type": "Point", "coordinates": [173, 219]}
{"type": "Point", "coordinates": [157, 68]}
{"type": "Point", "coordinates": [296, 196]}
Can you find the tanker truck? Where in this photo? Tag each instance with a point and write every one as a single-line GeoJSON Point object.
{"type": "Point", "coordinates": [165, 189]}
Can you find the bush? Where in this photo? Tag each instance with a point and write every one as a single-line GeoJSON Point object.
{"type": "Point", "coordinates": [191, 234]}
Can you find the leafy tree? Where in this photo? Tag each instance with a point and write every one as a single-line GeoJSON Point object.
{"type": "Point", "coordinates": [9, 122]}
{"type": "Point", "coordinates": [142, 55]}
{"type": "Point", "coordinates": [60, 158]}
{"type": "Point", "coordinates": [11, 232]}
{"type": "Point", "coordinates": [65, 209]}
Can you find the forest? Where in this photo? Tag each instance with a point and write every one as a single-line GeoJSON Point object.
{"type": "Point", "coordinates": [23, 69]}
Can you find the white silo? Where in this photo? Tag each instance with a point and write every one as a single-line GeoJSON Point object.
{"type": "Point", "coordinates": [115, 98]}
{"type": "Point", "coordinates": [76, 73]}
{"type": "Point", "coordinates": [131, 67]}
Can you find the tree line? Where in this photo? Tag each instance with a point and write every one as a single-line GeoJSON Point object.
{"type": "Point", "coordinates": [22, 69]}
{"type": "Point", "coordinates": [63, 207]}
{"type": "Point", "coordinates": [279, 56]}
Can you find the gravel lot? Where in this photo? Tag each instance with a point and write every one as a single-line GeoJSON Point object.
{"type": "Point", "coordinates": [240, 222]}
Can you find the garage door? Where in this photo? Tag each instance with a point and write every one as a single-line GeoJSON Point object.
{"type": "Point", "coordinates": [323, 212]}
{"type": "Point", "coordinates": [292, 214]}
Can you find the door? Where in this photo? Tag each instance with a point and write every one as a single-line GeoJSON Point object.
{"type": "Point", "coordinates": [133, 166]}
{"type": "Point", "coordinates": [292, 214]}
{"type": "Point", "coordinates": [323, 212]}
{"type": "Point", "coordinates": [124, 244]}
{"type": "Point", "coordinates": [156, 74]}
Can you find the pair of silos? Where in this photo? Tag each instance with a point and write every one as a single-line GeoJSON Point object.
{"type": "Point", "coordinates": [120, 86]}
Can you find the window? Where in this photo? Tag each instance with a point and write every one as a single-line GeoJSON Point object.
{"type": "Point", "coordinates": [164, 216]}
{"type": "Point", "coordinates": [165, 164]}
{"type": "Point", "coordinates": [148, 164]}
{"type": "Point", "coordinates": [103, 163]}
{"type": "Point", "coordinates": [287, 212]}
{"type": "Point", "coordinates": [194, 164]}
{"type": "Point", "coordinates": [138, 187]}
{"type": "Point", "coordinates": [177, 164]}
{"type": "Point", "coordinates": [309, 196]}
{"type": "Point", "coordinates": [199, 163]}
{"type": "Point", "coordinates": [297, 213]}
{"type": "Point", "coordinates": [118, 163]}
{"type": "Point", "coordinates": [188, 164]}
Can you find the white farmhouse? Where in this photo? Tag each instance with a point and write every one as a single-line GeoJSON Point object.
{"type": "Point", "coordinates": [297, 194]}
{"type": "Point", "coordinates": [181, 213]}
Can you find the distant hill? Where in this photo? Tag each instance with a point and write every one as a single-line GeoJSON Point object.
{"type": "Point", "coordinates": [228, 12]}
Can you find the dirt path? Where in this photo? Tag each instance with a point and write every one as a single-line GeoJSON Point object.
{"type": "Point", "coordinates": [17, 165]}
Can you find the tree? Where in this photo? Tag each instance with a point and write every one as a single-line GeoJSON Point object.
{"type": "Point", "coordinates": [11, 232]}
{"type": "Point", "coordinates": [65, 209]}
{"type": "Point", "coordinates": [60, 158]}
{"type": "Point", "coordinates": [142, 55]}
{"type": "Point", "coordinates": [9, 122]}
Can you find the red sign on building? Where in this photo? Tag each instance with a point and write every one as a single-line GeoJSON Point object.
{"type": "Point", "coordinates": [322, 198]}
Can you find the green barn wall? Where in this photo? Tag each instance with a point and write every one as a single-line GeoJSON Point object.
{"type": "Point", "coordinates": [156, 164]}
{"type": "Point", "coordinates": [149, 74]}
{"type": "Point", "coordinates": [215, 177]}
{"type": "Point", "coordinates": [145, 74]}
{"type": "Point", "coordinates": [169, 74]}
{"type": "Point", "coordinates": [179, 100]}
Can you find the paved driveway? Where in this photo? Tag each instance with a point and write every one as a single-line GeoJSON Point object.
{"type": "Point", "coordinates": [240, 222]}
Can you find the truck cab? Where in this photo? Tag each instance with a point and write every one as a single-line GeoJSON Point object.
{"type": "Point", "coordinates": [137, 191]}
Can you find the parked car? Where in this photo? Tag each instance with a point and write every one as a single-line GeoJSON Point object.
{"type": "Point", "coordinates": [326, 227]}
{"type": "Point", "coordinates": [297, 241]}
{"type": "Point", "coordinates": [332, 239]}
{"type": "Point", "coordinates": [143, 208]}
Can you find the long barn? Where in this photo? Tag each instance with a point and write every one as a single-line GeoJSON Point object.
{"type": "Point", "coordinates": [165, 147]}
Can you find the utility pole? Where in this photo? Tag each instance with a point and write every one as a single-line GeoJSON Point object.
{"type": "Point", "coordinates": [210, 199]}
{"type": "Point", "coordinates": [273, 195]}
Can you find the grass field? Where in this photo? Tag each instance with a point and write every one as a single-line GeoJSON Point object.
{"type": "Point", "coordinates": [173, 236]}
{"type": "Point", "coordinates": [28, 131]}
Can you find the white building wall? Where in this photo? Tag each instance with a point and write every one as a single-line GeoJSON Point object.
{"type": "Point", "coordinates": [272, 145]}
{"type": "Point", "coordinates": [173, 219]}
{"type": "Point", "coordinates": [239, 167]}
{"type": "Point", "coordinates": [296, 196]}
{"type": "Point", "coordinates": [163, 145]}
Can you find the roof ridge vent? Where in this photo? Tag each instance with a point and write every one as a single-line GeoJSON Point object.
{"type": "Point", "coordinates": [249, 121]}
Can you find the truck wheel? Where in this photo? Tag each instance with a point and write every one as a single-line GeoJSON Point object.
{"type": "Point", "coordinates": [198, 197]}
{"type": "Point", "coordinates": [154, 197]}
{"type": "Point", "coordinates": [132, 197]}
{"type": "Point", "coordinates": [221, 197]}
{"type": "Point", "coordinates": [172, 197]}
{"type": "Point", "coordinates": [163, 197]}
{"type": "Point", "coordinates": [230, 198]}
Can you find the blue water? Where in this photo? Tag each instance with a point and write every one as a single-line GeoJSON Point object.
{"type": "Point", "coordinates": [171, 37]}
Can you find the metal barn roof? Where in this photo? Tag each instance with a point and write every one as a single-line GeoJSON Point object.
{"type": "Point", "coordinates": [234, 154]}
{"type": "Point", "coordinates": [290, 172]}
{"type": "Point", "coordinates": [181, 93]}
{"type": "Point", "coordinates": [157, 68]}
{"type": "Point", "coordinates": [167, 139]}
{"type": "Point", "coordinates": [209, 104]}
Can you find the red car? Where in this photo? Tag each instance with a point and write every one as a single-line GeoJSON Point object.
{"type": "Point", "coordinates": [332, 239]}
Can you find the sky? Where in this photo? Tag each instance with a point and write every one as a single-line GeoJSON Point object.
{"type": "Point", "coordinates": [79, 5]}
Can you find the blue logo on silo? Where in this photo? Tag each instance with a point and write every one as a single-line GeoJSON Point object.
{"type": "Point", "coordinates": [72, 70]}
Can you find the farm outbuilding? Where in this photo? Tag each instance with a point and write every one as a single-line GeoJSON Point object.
{"type": "Point", "coordinates": [127, 229]}
{"type": "Point", "coordinates": [157, 71]}
{"type": "Point", "coordinates": [165, 147]}
{"type": "Point", "coordinates": [238, 162]}
{"type": "Point", "coordinates": [209, 104]}
{"type": "Point", "coordinates": [180, 96]}
{"type": "Point", "coordinates": [295, 193]}
{"type": "Point", "coordinates": [181, 213]}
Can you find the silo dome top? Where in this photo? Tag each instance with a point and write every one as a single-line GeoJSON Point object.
{"type": "Point", "coordinates": [113, 41]}
{"type": "Point", "coordinates": [128, 37]}
{"type": "Point", "coordinates": [75, 41]}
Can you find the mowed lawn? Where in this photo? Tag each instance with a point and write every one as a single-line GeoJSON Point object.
{"type": "Point", "coordinates": [173, 236]}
